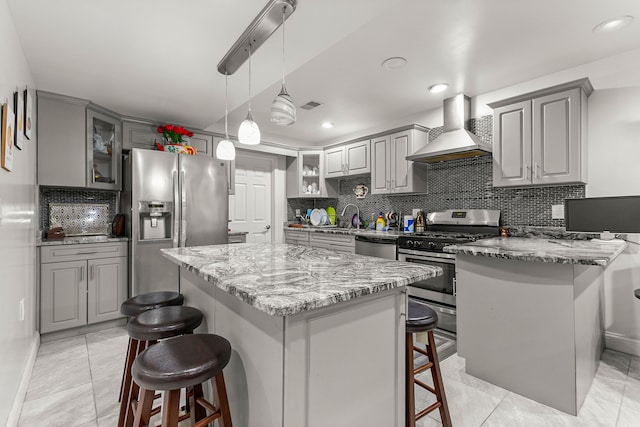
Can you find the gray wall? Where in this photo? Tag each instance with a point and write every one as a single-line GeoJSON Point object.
{"type": "Point", "coordinates": [18, 339]}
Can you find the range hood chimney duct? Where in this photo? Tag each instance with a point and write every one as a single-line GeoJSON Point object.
{"type": "Point", "coordinates": [456, 142]}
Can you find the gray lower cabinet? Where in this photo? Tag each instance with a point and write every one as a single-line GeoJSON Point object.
{"type": "Point", "coordinates": [296, 237]}
{"type": "Point", "coordinates": [333, 242]}
{"type": "Point", "coordinates": [81, 284]}
{"type": "Point", "coordinates": [237, 238]}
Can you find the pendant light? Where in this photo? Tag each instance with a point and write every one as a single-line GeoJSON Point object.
{"type": "Point", "coordinates": [226, 150]}
{"type": "Point", "coordinates": [283, 111]}
{"type": "Point", "coordinates": [249, 132]}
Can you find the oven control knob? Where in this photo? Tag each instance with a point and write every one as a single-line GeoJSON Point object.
{"type": "Point", "coordinates": [417, 244]}
{"type": "Point", "coordinates": [432, 245]}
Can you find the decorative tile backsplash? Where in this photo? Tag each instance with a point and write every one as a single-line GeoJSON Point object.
{"type": "Point", "coordinates": [79, 196]}
{"type": "Point", "coordinates": [80, 219]}
{"type": "Point", "coordinates": [455, 184]}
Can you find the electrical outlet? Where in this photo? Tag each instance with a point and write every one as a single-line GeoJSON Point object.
{"type": "Point", "coordinates": [21, 309]}
{"type": "Point", "coordinates": [557, 211]}
{"type": "Point", "coordinates": [297, 213]}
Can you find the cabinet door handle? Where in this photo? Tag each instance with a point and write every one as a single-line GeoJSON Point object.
{"type": "Point", "coordinates": [535, 170]}
{"type": "Point", "coordinates": [81, 273]}
{"type": "Point", "coordinates": [393, 185]}
{"type": "Point", "coordinates": [388, 186]}
{"type": "Point", "coordinates": [346, 167]}
{"type": "Point", "coordinates": [93, 175]}
{"type": "Point", "coordinates": [529, 174]}
{"type": "Point", "coordinates": [91, 273]}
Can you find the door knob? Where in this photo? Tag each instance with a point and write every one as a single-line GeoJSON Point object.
{"type": "Point", "coordinates": [267, 227]}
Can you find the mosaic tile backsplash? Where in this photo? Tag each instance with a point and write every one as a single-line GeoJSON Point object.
{"type": "Point", "coordinates": [77, 196]}
{"type": "Point", "coordinates": [80, 219]}
{"type": "Point", "coordinates": [455, 184]}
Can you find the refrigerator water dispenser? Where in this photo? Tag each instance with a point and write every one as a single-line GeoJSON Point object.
{"type": "Point", "coordinates": [155, 220]}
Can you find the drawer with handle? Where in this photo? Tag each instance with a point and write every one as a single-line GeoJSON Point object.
{"type": "Point", "coordinates": [82, 251]}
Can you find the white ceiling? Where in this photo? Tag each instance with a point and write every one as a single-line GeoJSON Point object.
{"type": "Point", "coordinates": [157, 59]}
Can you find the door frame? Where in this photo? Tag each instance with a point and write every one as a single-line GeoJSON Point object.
{"type": "Point", "coordinates": [278, 189]}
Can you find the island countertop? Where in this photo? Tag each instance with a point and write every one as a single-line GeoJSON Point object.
{"type": "Point", "coordinates": [586, 252]}
{"type": "Point", "coordinates": [283, 280]}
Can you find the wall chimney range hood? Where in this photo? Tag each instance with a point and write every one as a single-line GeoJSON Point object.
{"type": "Point", "coordinates": [456, 142]}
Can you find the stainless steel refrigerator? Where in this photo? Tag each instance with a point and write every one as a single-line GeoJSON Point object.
{"type": "Point", "coordinates": [170, 200]}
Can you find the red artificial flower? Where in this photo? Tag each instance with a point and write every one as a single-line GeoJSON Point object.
{"type": "Point", "coordinates": [173, 133]}
{"type": "Point", "coordinates": [179, 130]}
{"type": "Point", "coordinates": [160, 130]}
{"type": "Point", "coordinates": [168, 127]}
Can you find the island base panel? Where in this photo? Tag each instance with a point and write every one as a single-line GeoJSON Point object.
{"type": "Point", "coordinates": [531, 328]}
{"type": "Point", "coordinates": [340, 365]}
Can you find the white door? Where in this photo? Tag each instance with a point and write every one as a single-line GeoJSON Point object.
{"type": "Point", "coordinates": [250, 208]}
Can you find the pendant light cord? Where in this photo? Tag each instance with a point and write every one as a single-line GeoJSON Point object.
{"type": "Point", "coordinates": [249, 77]}
{"type": "Point", "coordinates": [226, 108]}
{"type": "Point", "coordinates": [284, 16]}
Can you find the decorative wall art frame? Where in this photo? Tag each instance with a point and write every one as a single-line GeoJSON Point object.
{"type": "Point", "coordinates": [8, 123]}
{"type": "Point", "coordinates": [18, 105]}
{"type": "Point", "coordinates": [28, 114]}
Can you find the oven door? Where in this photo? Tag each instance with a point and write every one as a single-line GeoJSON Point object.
{"type": "Point", "coordinates": [441, 289]}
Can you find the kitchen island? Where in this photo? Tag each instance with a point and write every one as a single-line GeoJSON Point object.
{"type": "Point", "coordinates": [530, 314]}
{"type": "Point", "coordinates": [317, 336]}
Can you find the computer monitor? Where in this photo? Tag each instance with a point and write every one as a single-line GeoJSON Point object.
{"type": "Point", "coordinates": [603, 214]}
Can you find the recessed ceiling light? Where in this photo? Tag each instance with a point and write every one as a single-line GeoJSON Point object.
{"type": "Point", "coordinates": [394, 63]}
{"type": "Point", "coordinates": [327, 125]}
{"type": "Point", "coordinates": [438, 87]}
{"type": "Point", "coordinates": [613, 24]}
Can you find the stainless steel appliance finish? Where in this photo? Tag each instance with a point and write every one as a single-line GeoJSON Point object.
{"type": "Point", "coordinates": [373, 246]}
{"type": "Point", "coordinates": [444, 228]}
{"type": "Point", "coordinates": [455, 142]}
{"type": "Point", "coordinates": [170, 200]}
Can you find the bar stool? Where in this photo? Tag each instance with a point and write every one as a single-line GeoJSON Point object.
{"type": "Point", "coordinates": [183, 362]}
{"type": "Point", "coordinates": [144, 330]}
{"type": "Point", "coordinates": [139, 304]}
{"type": "Point", "coordinates": [143, 302]}
{"type": "Point", "coordinates": [422, 319]}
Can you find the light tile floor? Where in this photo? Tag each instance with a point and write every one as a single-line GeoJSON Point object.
{"type": "Point", "coordinates": [75, 382]}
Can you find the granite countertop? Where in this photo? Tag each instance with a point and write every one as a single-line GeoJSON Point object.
{"type": "Point", "coordinates": [283, 280]}
{"type": "Point", "coordinates": [391, 235]}
{"type": "Point", "coordinates": [75, 240]}
{"type": "Point", "coordinates": [559, 251]}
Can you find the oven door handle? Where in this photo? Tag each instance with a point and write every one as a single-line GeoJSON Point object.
{"type": "Point", "coordinates": [422, 256]}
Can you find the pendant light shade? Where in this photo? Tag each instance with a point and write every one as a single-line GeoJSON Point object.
{"type": "Point", "coordinates": [249, 132]}
{"type": "Point", "coordinates": [283, 110]}
{"type": "Point", "coordinates": [225, 149]}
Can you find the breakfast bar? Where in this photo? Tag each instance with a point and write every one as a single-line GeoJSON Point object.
{"type": "Point", "coordinates": [317, 336]}
{"type": "Point", "coordinates": [530, 314]}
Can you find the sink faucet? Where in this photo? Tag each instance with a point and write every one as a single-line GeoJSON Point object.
{"type": "Point", "coordinates": [344, 210]}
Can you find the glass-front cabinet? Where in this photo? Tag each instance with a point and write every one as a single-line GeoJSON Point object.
{"type": "Point", "coordinates": [305, 176]}
{"type": "Point", "coordinates": [103, 151]}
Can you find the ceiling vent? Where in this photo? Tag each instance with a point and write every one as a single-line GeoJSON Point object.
{"type": "Point", "coordinates": [311, 105]}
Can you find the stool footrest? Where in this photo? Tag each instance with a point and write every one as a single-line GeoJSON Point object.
{"type": "Point", "coordinates": [423, 368]}
{"type": "Point", "coordinates": [425, 386]}
{"type": "Point", "coordinates": [429, 409]}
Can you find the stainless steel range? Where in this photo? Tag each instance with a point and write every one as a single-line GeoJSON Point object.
{"type": "Point", "coordinates": [445, 228]}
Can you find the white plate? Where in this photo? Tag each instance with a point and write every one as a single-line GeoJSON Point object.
{"type": "Point", "coordinates": [316, 217]}
{"type": "Point", "coordinates": [325, 217]}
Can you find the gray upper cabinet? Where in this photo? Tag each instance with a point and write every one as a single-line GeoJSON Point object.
{"type": "Point", "coordinates": [78, 146]}
{"type": "Point", "coordinates": [139, 134]}
{"type": "Point", "coordinates": [103, 151]}
{"type": "Point", "coordinates": [539, 138]}
{"type": "Point", "coordinates": [349, 159]}
{"type": "Point", "coordinates": [62, 156]}
{"type": "Point", "coordinates": [390, 171]}
{"type": "Point", "coordinates": [306, 176]}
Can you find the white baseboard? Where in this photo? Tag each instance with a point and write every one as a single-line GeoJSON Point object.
{"type": "Point", "coordinates": [16, 408]}
{"type": "Point", "coordinates": [622, 343]}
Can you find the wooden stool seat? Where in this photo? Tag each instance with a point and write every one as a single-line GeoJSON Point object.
{"type": "Point", "coordinates": [420, 319]}
{"type": "Point", "coordinates": [143, 302]}
{"type": "Point", "coordinates": [144, 330]}
{"type": "Point", "coordinates": [183, 362]}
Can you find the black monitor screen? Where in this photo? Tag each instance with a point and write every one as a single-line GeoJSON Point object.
{"type": "Point", "coordinates": [598, 214]}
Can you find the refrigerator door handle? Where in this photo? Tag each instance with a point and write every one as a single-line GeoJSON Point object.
{"type": "Point", "coordinates": [176, 209]}
{"type": "Point", "coordinates": [183, 212]}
